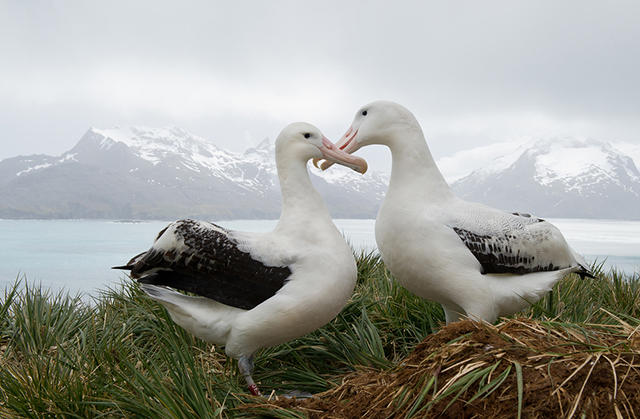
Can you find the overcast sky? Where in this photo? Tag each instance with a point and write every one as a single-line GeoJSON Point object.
{"type": "Point", "coordinates": [475, 73]}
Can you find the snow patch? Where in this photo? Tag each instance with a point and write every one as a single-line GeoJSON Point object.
{"type": "Point", "coordinates": [563, 162]}
{"type": "Point", "coordinates": [37, 167]}
{"type": "Point", "coordinates": [491, 157]}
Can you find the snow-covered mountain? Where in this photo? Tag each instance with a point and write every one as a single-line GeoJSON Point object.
{"type": "Point", "coordinates": [559, 177]}
{"type": "Point", "coordinates": [167, 173]}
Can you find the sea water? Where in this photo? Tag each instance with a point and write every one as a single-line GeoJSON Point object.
{"type": "Point", "coordinates": [77, 255]}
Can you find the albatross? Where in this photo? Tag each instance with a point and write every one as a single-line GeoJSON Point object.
{"type": "Point", "coordinates": [477, 262]}
{"type": "Point", "coordinates": [256, 290]}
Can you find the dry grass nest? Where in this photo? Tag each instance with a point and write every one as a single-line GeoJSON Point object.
{"type": "Point", "coordinates": [518, 368]}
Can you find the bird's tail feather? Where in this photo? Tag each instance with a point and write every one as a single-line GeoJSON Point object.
{"type": "Point", "coordinates": [204, 318]}
{"type": "Point", "coordinates": [584, 270]}
{"type": "Point", "coordinates": [166, 296]}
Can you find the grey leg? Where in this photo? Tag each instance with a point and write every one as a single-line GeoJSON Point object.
{"type": "Point", "coordinates": [245, 365]}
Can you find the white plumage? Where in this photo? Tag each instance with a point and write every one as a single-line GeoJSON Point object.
{"type": "Point", "coordinates": [476, 261]}
{"type": "Point", "coordinates": [258, 289]}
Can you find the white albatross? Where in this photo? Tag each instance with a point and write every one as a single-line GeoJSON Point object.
{"type": "Point", "coordinates": [478, 262]}
{"type": "Point", "coordinates": [257, 290]}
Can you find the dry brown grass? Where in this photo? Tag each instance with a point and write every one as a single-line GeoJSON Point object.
{"type": "Point", "coordinates": [519, 368]}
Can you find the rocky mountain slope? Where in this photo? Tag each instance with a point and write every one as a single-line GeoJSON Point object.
{"type": "Point", "coordinates": [167, 173]}
{"type": "Point", "coordinates": [559, 177]}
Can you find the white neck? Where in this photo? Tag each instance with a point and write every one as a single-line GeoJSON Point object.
{"type": "Point", "coordinates": [300, 199]}
{"type": "Point", "coordinates": [413, 169]}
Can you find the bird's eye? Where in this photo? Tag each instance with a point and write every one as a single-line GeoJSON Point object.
{"type": "Point", "coordinates": [307, 135]}
{"type": "Point", "coordinates": [364, 113]}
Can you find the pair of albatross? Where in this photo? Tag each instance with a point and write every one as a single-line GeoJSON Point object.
{"type": "Point", "coordinates": [261, 290]}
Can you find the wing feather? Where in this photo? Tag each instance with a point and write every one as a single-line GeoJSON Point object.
{"type": "Point", "coordinates": [515, 244]}
{"type": "Point", "coordinates": [205, 259]}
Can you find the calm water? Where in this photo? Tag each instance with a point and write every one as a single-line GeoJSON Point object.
{"type": "Point", "coordinates": [77, 255]}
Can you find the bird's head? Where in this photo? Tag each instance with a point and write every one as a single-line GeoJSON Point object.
{"type": "Point", "coordinates": [307, 142]}
{"type": "Point", "coordinates": [380, 122]}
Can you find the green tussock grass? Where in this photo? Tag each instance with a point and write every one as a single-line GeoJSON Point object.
{"type": "Point", "coordinates": [121, 356]}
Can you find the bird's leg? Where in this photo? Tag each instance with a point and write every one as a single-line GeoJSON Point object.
{"type": "Point", "coordinates": [245, 365]}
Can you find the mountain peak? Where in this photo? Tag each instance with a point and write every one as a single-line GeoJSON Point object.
{"type": "Point", "coordinates": [575, 157]}
{"type": "Point", "coordinates": [157, 144]}
{"type": "Point", "coordinates": [264, 144]}
{"type": "Point", "coordinates": [264, 147]}
{"type": "Point", "coordinates": [164, 173]}
{"type": "Point", "coordinates": [558, 176]}
{"type": "Point", "coordinates": [553, 144]}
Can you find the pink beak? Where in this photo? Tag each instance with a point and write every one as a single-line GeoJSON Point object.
{"type": "Point", "coordinates": [334, 154]}
{"type": "Point", "coordinates": [346, 144]}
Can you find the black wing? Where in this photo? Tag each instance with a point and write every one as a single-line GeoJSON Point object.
{"type": "Point", "coordinates": [205, 260]}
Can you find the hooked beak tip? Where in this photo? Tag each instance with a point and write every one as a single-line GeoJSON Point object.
{"type": "Point", "coordinates": [325, 165]}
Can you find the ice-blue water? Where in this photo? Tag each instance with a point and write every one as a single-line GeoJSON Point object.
{"type": "Point", "coordinates": [77, 254]}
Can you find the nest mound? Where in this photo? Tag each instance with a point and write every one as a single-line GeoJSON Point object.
{"type": "Point", "coordinates": [519, 368]}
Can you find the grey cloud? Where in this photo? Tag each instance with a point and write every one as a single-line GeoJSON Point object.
{"type": "Point", "coordinates": [474, 73]}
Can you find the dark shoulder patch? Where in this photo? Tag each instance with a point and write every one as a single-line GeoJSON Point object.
{"type": "Point", "coordinates": [211, 265]}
